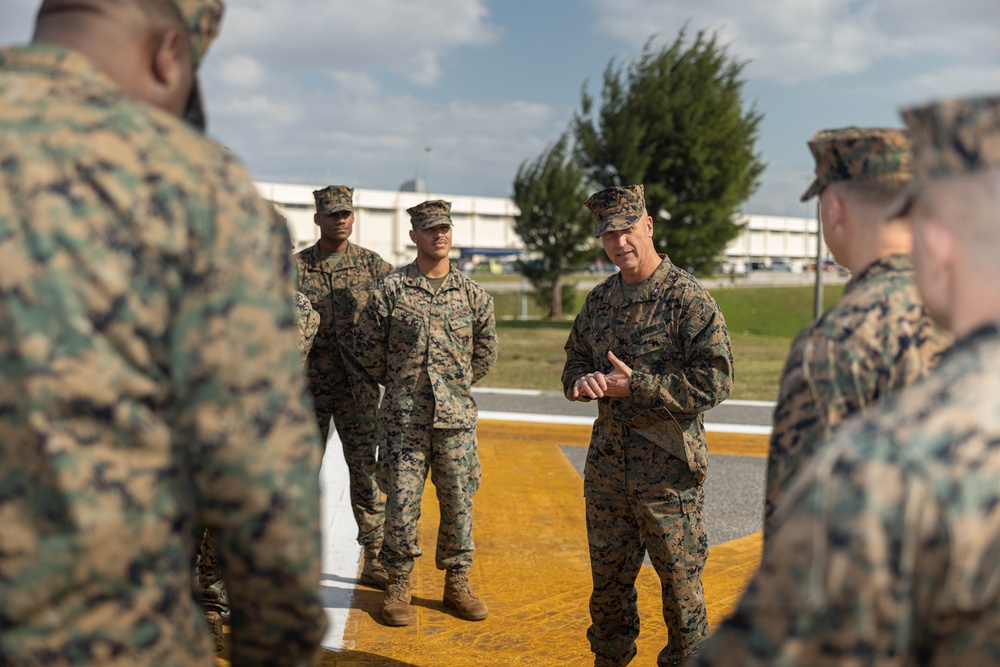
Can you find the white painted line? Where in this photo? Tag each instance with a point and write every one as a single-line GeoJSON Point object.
{"type": "Point", "coordinates": [341, 551]}
{"type": "Point", "coordinates": [751, 404]}
{"type": "Point", "coordinates": [535, 418]}
{"type": "Point", "coordinates": [531, 418]}
{"type": "Point", "coordinates": [507, 392]}
{"type": "Point", "coordinates": [749, 429]}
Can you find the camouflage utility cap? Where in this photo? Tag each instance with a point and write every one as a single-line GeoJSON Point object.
{"type": "Point", "coordinates": [617, 208]}
{"type": "Point", "coordinates": [202, 18]}
{"type": "Point", "coordinates": [334, 198]}
{"type": "Point", "coordinates": [856, 154]}
{"type": "Point", "coordinates": [950, 138]}
{"type": "Point", "coordinates": [430, 214]}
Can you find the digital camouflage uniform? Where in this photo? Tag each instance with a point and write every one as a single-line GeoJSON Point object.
{"type": "Point", "coordinates": [308, 320]}
{"type": "Point", "coordinates": [428, 350]}
{"type": "Point", "coordinates": [648, 455]}
{"type": "Point", "coordinates": [341, 388]}
{"type": "Point", "coordinates": [150, 385]}
{"type": "Point", "coordinates": [876, 340]}
{"type": "Point", "coordinates": [884, 550]}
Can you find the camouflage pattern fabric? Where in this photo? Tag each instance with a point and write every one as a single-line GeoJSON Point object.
{"type": "Point", "coordinates": [873, 342]}
{"type": "Point", "coordinates": [334, 198]}
{"type": "Point", "coordinates": [202, 18]}
{"type": "Point", "coordinates": [617, 208]}
{"type": "Point", "coordinates": [208, 575]}
{"type": "Point", "coordinates": [340, 386]}
{"type": "Point", "coordinates": [150, 385]}
{"type": "Point", "coordinates": [856, 154]}
{"type": "Point", "coordinates": [628, 513]}
{"type": "Point", "coordinates": [427, 349]}
{"type": "Point", "coordinates": [885, 547]}
{"type": "Point", "coordinates": [430, 214]}
{"type": "Point", "coordinates": [950, 138]}
{"type": "Point", "coordinates": [308, 320]}
{"type": "Point", "coordinates": [648, 454]}
{"type": "Point", "coordinates": [452, 457]}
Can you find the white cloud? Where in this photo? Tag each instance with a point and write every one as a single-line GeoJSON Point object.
{"type": "Point", "coordinates": [405, 37]}
{"type": "Point", "coordinates": [241, 71]}
{"type": "Point", "coordinates": [797, 40]}
{"type": "Point", "coordinates": [357, 133]}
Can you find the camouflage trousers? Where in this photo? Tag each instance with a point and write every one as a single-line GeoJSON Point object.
{"type": "Point", "coordinates": [453, 461]}
{"type": "Point", "coordinates": [354, 418]}
{"type": "Point", "coordinates": [641, 498]}
{"type": "Point", "coordinates": [208, 579]}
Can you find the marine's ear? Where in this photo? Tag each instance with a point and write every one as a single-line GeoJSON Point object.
{"type": "Point", "coordinates": [171, 71]}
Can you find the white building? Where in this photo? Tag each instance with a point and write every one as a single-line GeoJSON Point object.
{"type": "Point", "coordinates": [768, 237]}
{"type": "Point", "coordinates": [484, 226]}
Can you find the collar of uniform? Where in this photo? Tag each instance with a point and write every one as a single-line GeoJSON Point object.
{"type": "Point", "coordinates": [879, 269]}
{"type": "Point", "coordinates": [55, 62]}
{"type": "Point", "coordinates": [317, 258]}
{"type": "Point", "coordinates": [986, 334]}
{"type": "Point", "coordinates": [416, 279]}
{"type": "Point", "coordinates": [650, 289]}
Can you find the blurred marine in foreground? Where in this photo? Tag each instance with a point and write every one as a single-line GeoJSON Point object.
{"type": "Point", "coordinates": [151, 381]}
{"type": "Point", "coordinates": [884, 550]}
{"type": "Point", "coordinates": [878, 338]}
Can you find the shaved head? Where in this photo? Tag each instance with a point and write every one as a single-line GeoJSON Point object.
{"type": "Point", "coordinates": [143, 45]}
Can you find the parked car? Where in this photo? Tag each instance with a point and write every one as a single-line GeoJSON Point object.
{"type": "Point", "coordinates": [782, 265]}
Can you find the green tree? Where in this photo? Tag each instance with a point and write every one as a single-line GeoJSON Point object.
{"type": "Point", "coordinates": [674, 120]}
{"type": "Point", "coordinates": [553, 222]}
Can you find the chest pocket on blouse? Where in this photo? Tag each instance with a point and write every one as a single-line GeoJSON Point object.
{"type": "Point", "coordinates": [655, 352]}
{"type": "Point", "coordinates": [460, 330]}
{"type": "Point", "coordinates": [315, 287]}
{"type": "Point", "coordinates": [404, 328]}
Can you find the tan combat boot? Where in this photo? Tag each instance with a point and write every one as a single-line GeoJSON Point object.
{"type": "Point", "coordinates": [458, 596]}
{"type": "Point", "coordinates": [372, 572]}
{"type": "Point", "coordinates": [396, 603]}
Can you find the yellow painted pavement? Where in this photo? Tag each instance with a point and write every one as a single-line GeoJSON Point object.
{"type": "Point", "coordinates": [531, 566]}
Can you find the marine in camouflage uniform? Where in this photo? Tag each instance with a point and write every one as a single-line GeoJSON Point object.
{"type": "Point", "coordinates": [878, 338]}
{"type": "Point", "coordinates": [428, 334]}
{"type": "Point", "coordinates": [884, 549]}
{"type": "Point", "coordinates": [147, 348]}
{"type": "Point", "coordinates": [337, 277]}
{"type": "Point", "coordinates": [666, 347]}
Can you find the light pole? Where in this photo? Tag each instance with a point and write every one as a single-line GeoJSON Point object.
{"type": "Point", "coordinates": [818, 290]}
{"type": "Point", "coordinates": [427, 170]}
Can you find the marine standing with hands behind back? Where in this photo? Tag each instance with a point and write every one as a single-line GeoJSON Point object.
{"type": "Point", "coordinates": [151, 381]}
{"type": "Point", "coordinates": [337, 277]}
{"type": "Point", "coordinates": [428, 334]}
{"type": "Point", "coordinates": [651, 346]}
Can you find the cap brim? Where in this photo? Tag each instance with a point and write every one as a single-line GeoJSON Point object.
{"type": "Point", "coordinates": [195, 112]}
{"type": "Point", "coordinates": [812, 191]}
{"type": "Point", "coordinates": [900, 208]}
{"type": "Point", "coordinates": [614, 224]}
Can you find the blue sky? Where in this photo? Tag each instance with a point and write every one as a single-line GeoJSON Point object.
{"type": "Point", "coordinates": [324, 91]}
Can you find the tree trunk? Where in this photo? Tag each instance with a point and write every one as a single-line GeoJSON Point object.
{"type": "Point", "coordinates": [556, 311]}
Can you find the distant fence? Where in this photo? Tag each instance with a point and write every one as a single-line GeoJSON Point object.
{"type": "Point", "coordinates": [517, 304]}
{"type": "Point", "coordinates": [523, 304]}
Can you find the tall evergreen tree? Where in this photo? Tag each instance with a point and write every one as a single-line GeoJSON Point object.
{"type": "Point", "coordinates": [674, 120]}
{"type": "Point", "coordinates": [553, 221]}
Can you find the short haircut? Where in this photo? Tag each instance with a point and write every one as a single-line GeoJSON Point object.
{"type": "Point", "coordinates": [880, 191]}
